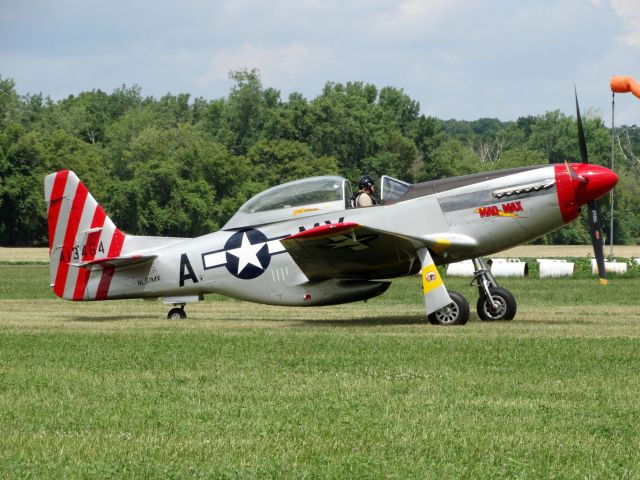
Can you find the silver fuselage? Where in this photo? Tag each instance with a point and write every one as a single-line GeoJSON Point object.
{"type": "Point", "coordinates": [472, 208]}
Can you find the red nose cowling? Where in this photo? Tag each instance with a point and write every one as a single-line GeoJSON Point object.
{"type": "Point", "coordinates": [587, 182]}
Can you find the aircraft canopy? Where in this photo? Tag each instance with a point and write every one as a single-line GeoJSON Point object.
{"type": "Point", "coordinates": [300, 198]}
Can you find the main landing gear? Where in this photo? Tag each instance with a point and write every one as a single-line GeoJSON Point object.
{"type": "Point", "coordinates": [456, 313]}
{"type": "Point", "coordinates": [494, 302]}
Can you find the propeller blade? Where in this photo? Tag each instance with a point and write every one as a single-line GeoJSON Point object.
{"type": "Point", "coordinates": [596, 240]}
{"type": "Point", "coordinates": [581, 140]}
{"type": "Point", "coordinates": [594, 224]}
{"type": "Point", "coordinates": [574, 176]}
{"type": "Point", "coordinates": [569, 170]}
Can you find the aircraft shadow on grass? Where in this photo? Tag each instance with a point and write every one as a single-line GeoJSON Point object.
{"type": "Point", "coordinates": [557, 322]}
{"type": "Point", "coordinates": [112, 318]}
{"type": "Point", "coordinates": [421, 320]}
{"type": "Point", "coordinates": [368, 321]}
{"type": "Point", "coordinates": [345, 322]}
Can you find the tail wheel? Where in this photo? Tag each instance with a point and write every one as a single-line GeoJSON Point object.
{"type": "Point", "coordinates": [177, 313]}
{"type": "Point", "coordinates": [504, 305]}
{"type": "Point", "coordinates": [456, 313]}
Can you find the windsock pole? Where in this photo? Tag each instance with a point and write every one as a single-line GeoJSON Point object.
{"type": "Point", "coordinates": [621, 85]}
{"type": "Point", "coordinates": [613, 133]}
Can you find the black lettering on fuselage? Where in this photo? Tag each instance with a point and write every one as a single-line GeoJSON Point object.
{"type": "Point", "coordinates": [190, 274]}
{"type": "Point", "coordinates": [317, 224]}
{"type": "Point", "coordinates": [148, 280]}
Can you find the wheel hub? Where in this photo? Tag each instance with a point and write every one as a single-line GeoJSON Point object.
{"type": "Point", "coordinates": [448, 314]}
{"type": "Point", "coordinates": [497, 309]}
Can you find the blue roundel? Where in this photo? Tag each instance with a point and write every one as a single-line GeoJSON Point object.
{"type": "Point", "coordinates": [247, 254]}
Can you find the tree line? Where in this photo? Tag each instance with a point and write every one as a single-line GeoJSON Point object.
{"type": "Point", "coordinates": [181, 166]}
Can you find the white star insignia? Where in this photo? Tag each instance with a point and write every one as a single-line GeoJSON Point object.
{"type": "Point", "coordinates": [246, 254]}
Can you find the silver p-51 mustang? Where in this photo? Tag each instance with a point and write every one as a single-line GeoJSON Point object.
{"type": "Point", "coordinates": [303, 244]}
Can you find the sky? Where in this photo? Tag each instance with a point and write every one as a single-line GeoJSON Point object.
{"type": "Point", "coordinates": [462, 59]}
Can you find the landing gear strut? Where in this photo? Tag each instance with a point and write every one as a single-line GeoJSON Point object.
{"type": "Point", "coordinates": [177, 312]}
{"type": "Point", "coordinates": [495, 303]}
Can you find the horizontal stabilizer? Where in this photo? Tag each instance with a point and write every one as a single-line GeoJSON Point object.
{"type": "Point", "coordinates": [116, 262]}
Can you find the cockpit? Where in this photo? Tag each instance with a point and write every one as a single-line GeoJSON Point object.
{"type": "Point", "coordinates": [307, 197]}
{"type": "Point", "coordinates": [306, 192]}
{"type": "Point", "coordinates": [297, 199]}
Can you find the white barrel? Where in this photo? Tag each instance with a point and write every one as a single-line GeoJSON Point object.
{"type": "Point", "coordinates": [509, 269]}
{"type": "Point", "coordinates": [609, 267]}
{"type": "Point", "coordinates": [555, 268]}
{"type": "Point", "coordinates": [461, 269]}
{"type": "Point", "coordinates": [616, 267]}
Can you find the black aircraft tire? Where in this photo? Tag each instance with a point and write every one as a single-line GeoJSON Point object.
{"type": "Point", "coordinates": [455, 314]}
{"type": "Point", "coordinates": [176, 313]}
{"type": "Point", "coordinates": [507, 305]}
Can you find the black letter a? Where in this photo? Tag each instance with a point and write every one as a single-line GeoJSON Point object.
{"type": "Point", "coordinates": [184, 262]}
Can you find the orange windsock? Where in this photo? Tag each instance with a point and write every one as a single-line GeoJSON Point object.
{"type": "Point", "coordinates": [624, 85]}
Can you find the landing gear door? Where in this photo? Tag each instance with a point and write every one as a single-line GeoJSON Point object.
{"type": "Point", "coordinates": [392, 189]}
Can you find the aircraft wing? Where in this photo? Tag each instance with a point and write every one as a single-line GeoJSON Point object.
{"type": "Point", "coordinates": [350, 250]}
{"type": "Point", "coordinates": [116, 261]}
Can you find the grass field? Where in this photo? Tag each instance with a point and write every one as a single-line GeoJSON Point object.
{"type": "Point", "coordinates": [365, 390]}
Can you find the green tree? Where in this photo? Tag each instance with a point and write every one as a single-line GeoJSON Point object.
{"type": "Point", "coordinates": [177, 166]}
{"type": "Point", "coordinates": [244, 111]}
{"type": "Point", "coordinates": [345, 125]}
{"type": "Point", "coordinates": [121, 133]}
{"type": "Point", "coordinates": [22, 216]}
{"type": "Point", "coordinates": [451, 158]}
{"type": "Point", "coordinates": [278, 161]}
{"type": "Point", "coordinates": [9, 101]}
{"type": "Point", "coordinates": [396, 158]}
{"type": "Point", "coordinates": [289, 121]}
{"type": "Point", "coordinates": [399, 110]}
{"type": "Point", "coordinates": [182, 183]}
{"type": "Point", "coordinates": [553, 134]}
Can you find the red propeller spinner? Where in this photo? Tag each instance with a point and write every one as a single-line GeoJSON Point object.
{"type": "Point", "coordinates": [579, 184]}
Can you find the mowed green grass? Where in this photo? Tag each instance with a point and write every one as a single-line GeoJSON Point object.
{"type": "Point", "coordinates": [365, 390]}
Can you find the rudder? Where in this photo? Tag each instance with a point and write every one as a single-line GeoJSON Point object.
{"type": "Point", "coordinates": [79, 231]}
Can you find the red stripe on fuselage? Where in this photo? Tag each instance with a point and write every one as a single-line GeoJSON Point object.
{"type": "Point", "coordinates": [105, 282]}
{"type": "Point", "coordinates": [116, 243]}
{"type": "Point", "coordinates": [68, 245]}
{"type": "Point", "coordinates": [107, 272]}
{"type": "Point", "coordinates": [91, 247]}
{"type": "Point", "coordinates": [55, 201]}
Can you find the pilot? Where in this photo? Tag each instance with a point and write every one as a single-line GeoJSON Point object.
{"type": "Point", "coordinates": [366, 187]}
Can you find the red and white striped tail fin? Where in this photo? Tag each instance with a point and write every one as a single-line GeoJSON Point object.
{"type": "Point", "coordinates": [79, 232]}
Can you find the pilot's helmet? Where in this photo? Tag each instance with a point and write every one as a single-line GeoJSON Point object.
{"type": "Point", "coordinates": [366, 181]}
